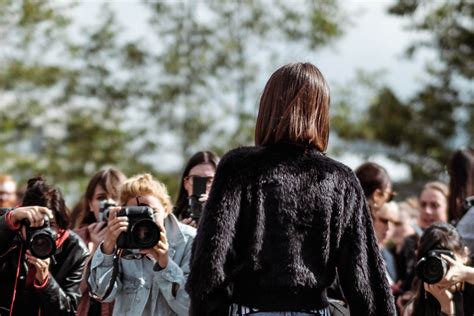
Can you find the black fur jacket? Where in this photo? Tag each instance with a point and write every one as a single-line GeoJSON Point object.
{"type": "Point", "coordinates": [280, 220]}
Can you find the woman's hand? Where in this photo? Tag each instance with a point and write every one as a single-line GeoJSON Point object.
{"type": "Point", "coordinates": [443, 296]}
{"type": "Point", "coordinates": [115, 227]}
{"type": "Point", "coordinates": [33, 214]}
{"type": "Point", "coordinates": [160, 250]}
{"type": "Point", "coordinates": [458, 272]}
{"type": "Point", "coordinates": [41, 265]}
{"type": "Point", "coordinates": [97, 232]}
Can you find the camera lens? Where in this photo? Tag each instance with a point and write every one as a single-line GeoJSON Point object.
{"type": "Point", "coordinates": [145, 233]}
{"type": "Point", "coordinates": [434, 270]}
{"type": "Point", "coordinates": [42, 245]}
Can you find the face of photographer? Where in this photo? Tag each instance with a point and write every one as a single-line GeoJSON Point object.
{"type": "Point", "coordinates": [118, 225]}
{"type": "Point", "coordinates": [202, 170]}
{"type": "Point", "coordinates": [97, 230]}
{"type": "Point", "coordinates": [35, 216]}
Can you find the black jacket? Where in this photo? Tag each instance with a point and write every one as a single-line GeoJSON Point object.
{"type": "Point", "coordinates": [61, 294]}
{"type": "Point", "coordinates": [278, 223]}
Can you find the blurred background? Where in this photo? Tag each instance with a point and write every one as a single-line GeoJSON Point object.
{"type": "Point", "coordinates": [143, 85]}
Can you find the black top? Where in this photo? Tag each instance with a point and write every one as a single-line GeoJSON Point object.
{"type": "Point", "coordinates": [61, 293]}
{"type": "Point", "coordinates": [278, 223]}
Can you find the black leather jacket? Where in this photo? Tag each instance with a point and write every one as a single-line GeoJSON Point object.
{"type": "Point", "coordinates": [61, 293]}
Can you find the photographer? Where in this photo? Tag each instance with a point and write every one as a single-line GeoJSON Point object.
{"type": "Point", "coordinates": [40, 266]}
{"type": "Point", "coordinates": [149, 281]}
{"type": "Point", "coordinates": [444, 284]}
{"type": "Point", "coordinates": [103, 186]}
{"type": "Point", "coordinates": [189, 204]}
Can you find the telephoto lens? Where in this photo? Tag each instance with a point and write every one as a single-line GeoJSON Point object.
{"type": "Point", "coordinates": [41, 240]}
{"type": "Point", "coordinates": [432, 268]}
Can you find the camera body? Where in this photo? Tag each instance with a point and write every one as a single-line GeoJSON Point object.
{"type": "Point", "coordinates": [104, 206]}
{"type": "Point", "coordinates": [142, 232]}
{"type": "Point", "coordinates": [41, 241]}
{"type": "Point", "coordinates": [432, 268]}
{"type": "Point", "coordinates": [195, 207]}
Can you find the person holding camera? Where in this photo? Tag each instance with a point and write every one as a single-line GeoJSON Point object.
{"type": "Point", "coordinates": [41, 261]}
{"type": "Point", "coordinates": [102, 187]}
{"type": "Point", "coordinates": [195, 184]}
{"type": "Point", "coordinates": [143, 262]}
{"type": "Point", "coordinates": [282, 217]}
{"type": "Point", "coordinates": [444, 283]}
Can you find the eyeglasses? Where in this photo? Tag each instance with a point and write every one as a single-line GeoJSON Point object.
{"type": "Point", "coordinates": [190, 178]}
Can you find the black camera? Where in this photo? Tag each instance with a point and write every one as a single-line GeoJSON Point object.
{"type": "Point", "coordinates": [432, 268]}
{"type": "Point", "coordinates": [142, 233]}
{"type": "Point", "coordinates": [195, 206]}
{"type": "Point", "coordinates": [41, 240]}
{"type": "Point", "coordinates": [104, 206]}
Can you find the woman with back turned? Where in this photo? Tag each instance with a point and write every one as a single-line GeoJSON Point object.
{"type": "Point", "coordinates": [282, 217]}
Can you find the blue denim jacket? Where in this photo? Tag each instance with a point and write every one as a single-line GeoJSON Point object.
{"type": "Point", "coordinates": [139, 289]}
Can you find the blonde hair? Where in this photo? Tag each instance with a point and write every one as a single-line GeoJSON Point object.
{"type": "Point", "coordinates": [144, 184]}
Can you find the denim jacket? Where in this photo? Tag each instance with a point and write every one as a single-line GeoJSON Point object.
{"type": "Point", "coordinates": [142, 290]}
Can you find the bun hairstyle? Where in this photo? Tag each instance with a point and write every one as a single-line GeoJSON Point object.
{"type": "Point", "coordinates": [40, 193]}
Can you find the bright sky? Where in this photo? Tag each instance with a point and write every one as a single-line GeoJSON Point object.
{"type": "Point", "coordinates": [374, 41]}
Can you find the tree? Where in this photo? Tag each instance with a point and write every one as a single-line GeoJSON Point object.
{"type": "Point", "coordinates": [62, 103]}
{"type": "Point", "coordinates": [211, 60]}
{"type": "Point", "coordinates": [423, 130]}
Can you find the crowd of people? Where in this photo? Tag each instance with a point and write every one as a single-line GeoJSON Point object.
{"type": "Point", "coordinates": [278, 228]}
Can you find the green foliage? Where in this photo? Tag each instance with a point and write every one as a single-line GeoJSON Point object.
{"type": "Point", "coordinates": [70, 105]}
{"type": "Point", "coordinates": [423, 130]}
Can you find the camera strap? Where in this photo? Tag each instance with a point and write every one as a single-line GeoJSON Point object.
{"type": "Point", "coordinates": [112, 278]}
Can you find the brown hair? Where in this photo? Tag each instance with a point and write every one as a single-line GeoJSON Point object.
{"type": "Point", "coordinates": [144, 184]}
{"type": "Point", "coordinates": [461, 185]}
{"type": "Point", "coordinates": [372, 176]}
{"type": "Point", "coordinates": [437, 186]}
{"type": "Point", "coordinates": [201, 157]}
{"type": "Point", "coordinates": [39, 193]}
{"type": "Point", "coordinates": [294, 108]}
{"type": "Point", "coordinates": [110, 180]}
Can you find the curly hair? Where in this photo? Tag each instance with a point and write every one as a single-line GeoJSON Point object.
{"type": "Point", "coordinates": [40, 193]}
{"type": "Point", "coordinates": [144, 184]}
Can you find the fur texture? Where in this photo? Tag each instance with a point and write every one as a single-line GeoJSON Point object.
{"type": "Point", "coordinates": [278, 223]}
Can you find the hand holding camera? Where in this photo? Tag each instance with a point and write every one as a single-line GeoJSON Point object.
{"type": "Point", "coordinates": [34, 215]}
{"type": "Point", "coordinates": [458, 272]}
{"type": "Point", "coordinates": [116, 225]}
{"type": "Point", "coordinates": [131, 227]}
{"type": "Point", "coordinates": [41, 266]}
{"type": "Point", "coordinates": [160, 250]}
{"type": "Point", "coordinates": [39, 237]}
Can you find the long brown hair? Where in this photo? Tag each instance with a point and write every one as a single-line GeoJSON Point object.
{"type": "Point", "coordinates": [110, 180]}
{"type": "Point", "coordinates": [461, 184]}
{"type": "Point", "coordinates": [201, 157]}
{"type": "Point", "coordinates": [294, 108]}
